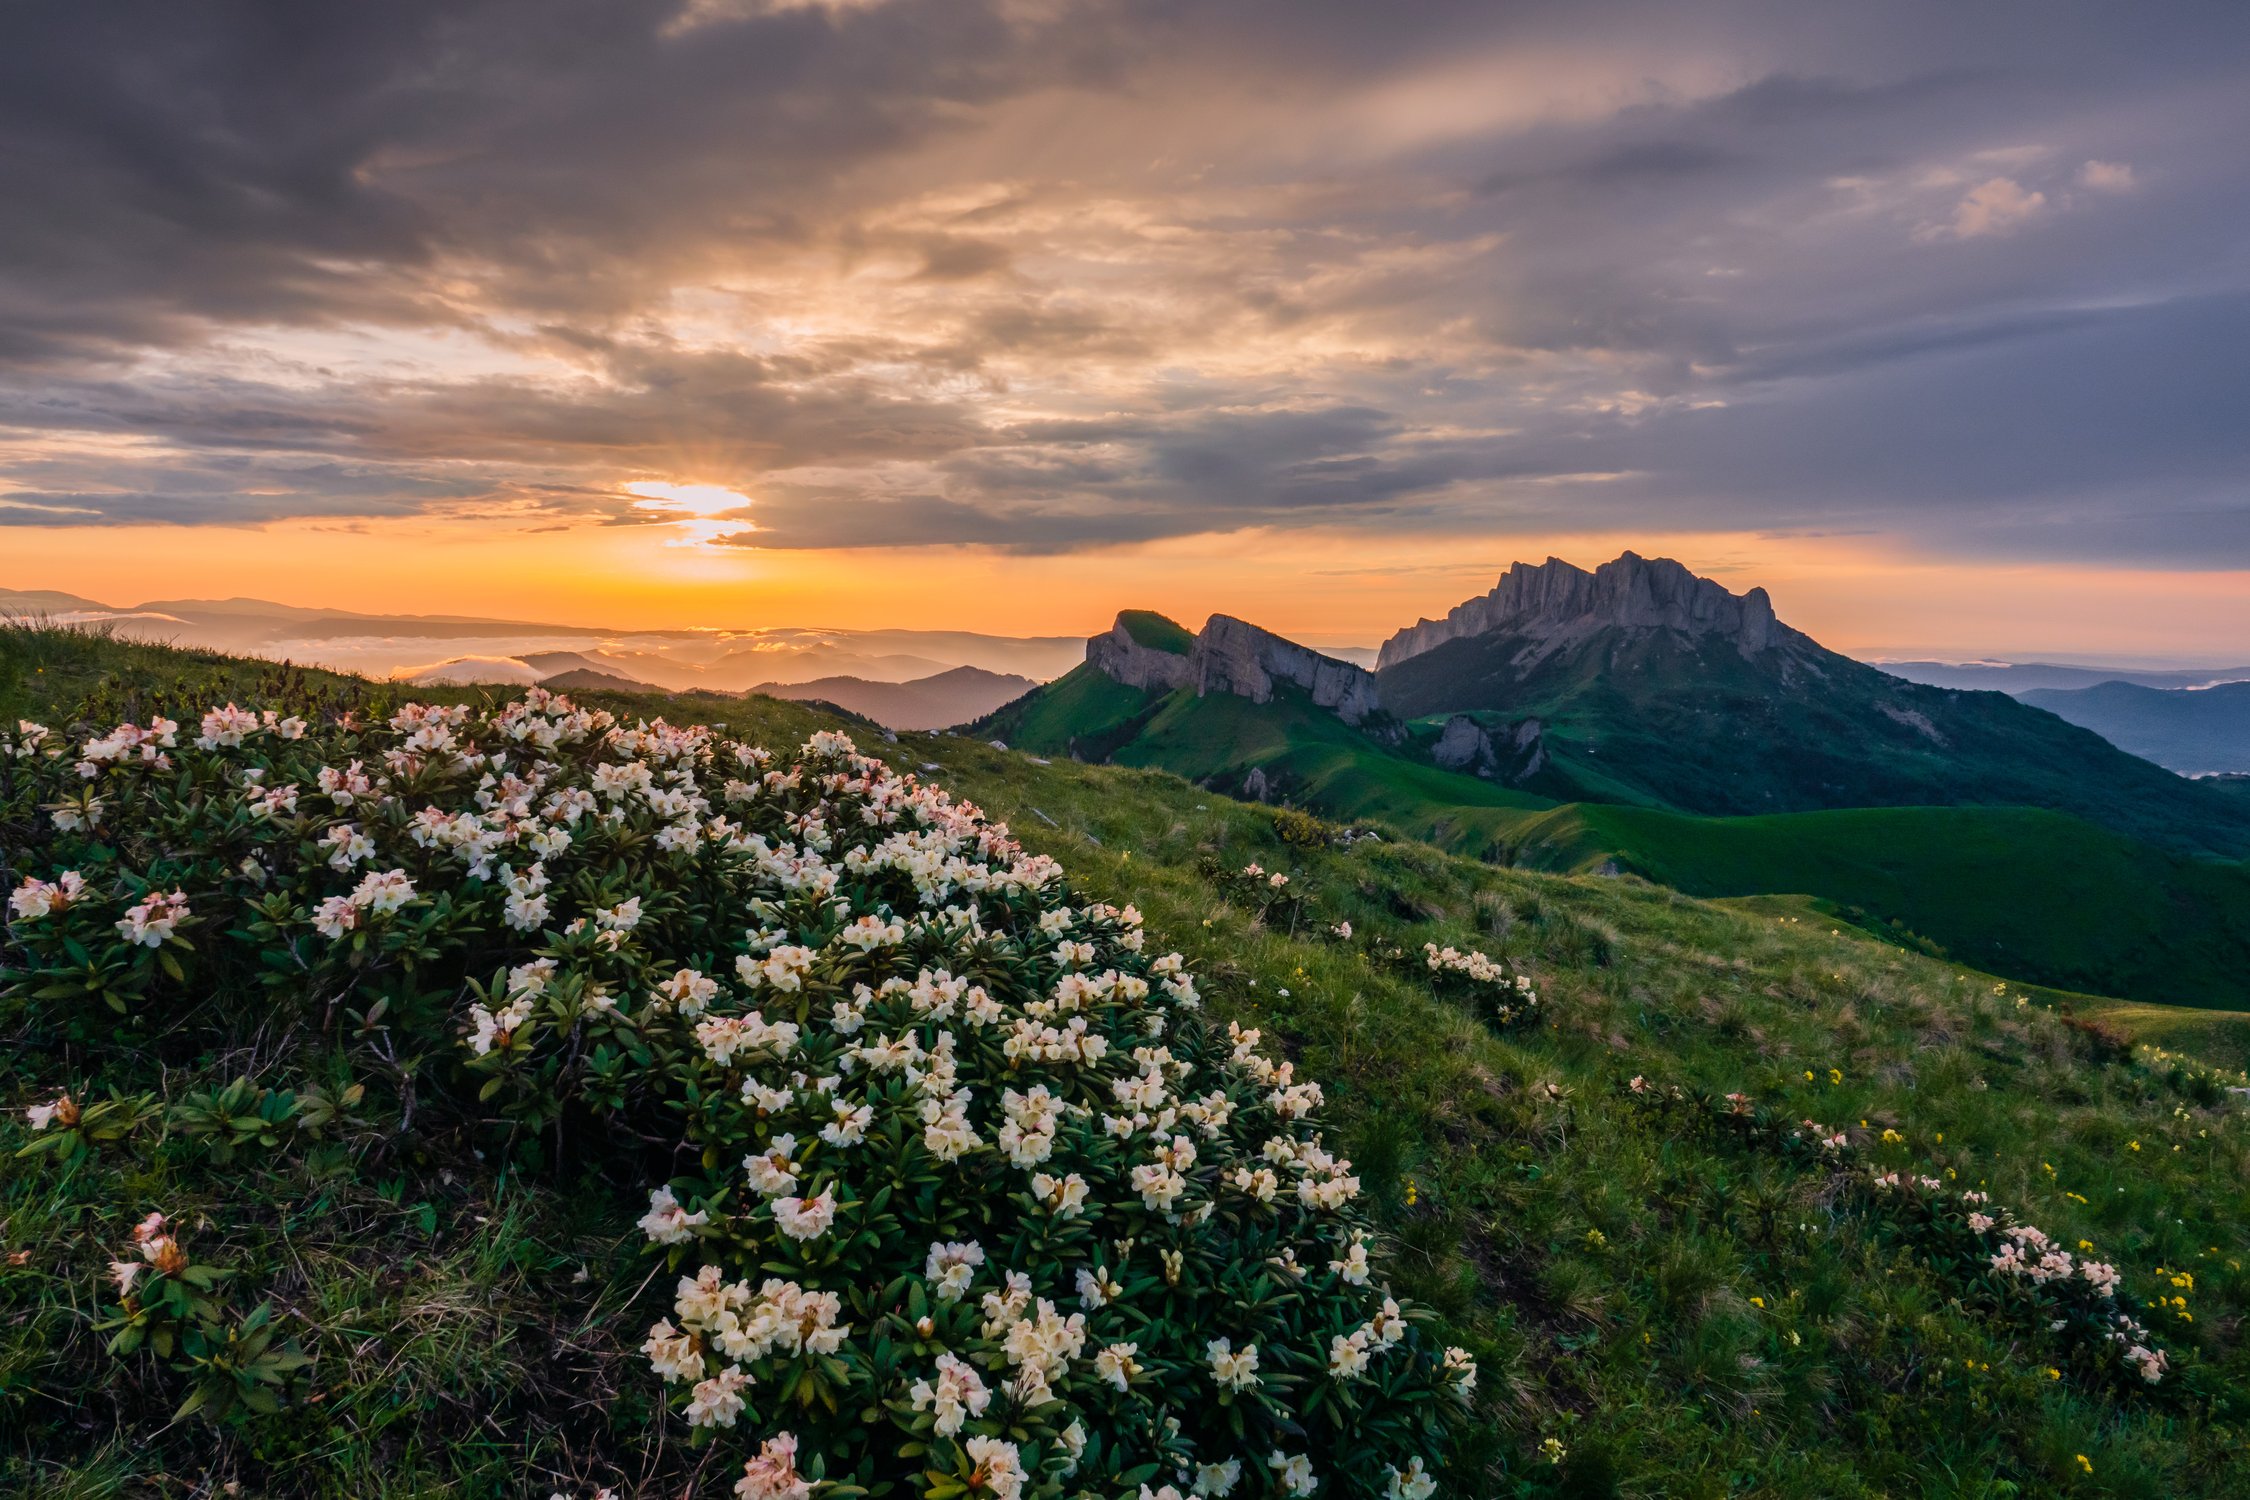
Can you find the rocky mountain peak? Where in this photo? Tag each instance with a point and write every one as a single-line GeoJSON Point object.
{"type": "Point", "coordinates": [1234, 656]}
{"type": "Point", "coordinates": [1554, 602]}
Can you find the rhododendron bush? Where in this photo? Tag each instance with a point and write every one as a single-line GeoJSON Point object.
{"type": "Point", "coordinates": [962, 1195]}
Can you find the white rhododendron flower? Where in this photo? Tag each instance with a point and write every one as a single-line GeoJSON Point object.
{"type": "Point", "coordinates": [1410, 1483]}
{"type": "Point", "coordinates": [805, 1218]}
{"type": "Point", "coordinates": [1293, 1472]}
{"type": "Point", "coordinates": [1234, 1369]}
{"type": "Point", "coordinates": [666, 1222]}
{"type": "Point", "coordinates": [957, 1394]}
{"type": "Point", "coordinates": [37, 898]}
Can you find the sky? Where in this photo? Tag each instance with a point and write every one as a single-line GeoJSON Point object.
{"type": "Point", "coordinates": [1934, 319]}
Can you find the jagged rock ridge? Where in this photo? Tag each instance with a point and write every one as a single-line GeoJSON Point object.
{"type": "Point", "coordinates": [1233, 656]}
{"type": "Point", "coordinates": [1553, 604]}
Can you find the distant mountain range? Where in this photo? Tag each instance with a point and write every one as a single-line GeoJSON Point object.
{"type": "Point", "coordinates": [1639, 683]}
{"type": "Point", "coordinates": [2018, 677]}
{"type": "Point", "coordinates": [457, 648]}
{"type": "Point", "coordinates": [2196, 731]}
{"type": "Point", "coordinates": [2190, 720]}
{"type": "Point", "coordinates": [1637, 717]}
{"type": "Point", "coordinates": [933, 702]}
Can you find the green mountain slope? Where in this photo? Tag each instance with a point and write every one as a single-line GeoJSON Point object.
{"type": "Point", "coordinates": [2036, 895]}
{"type": "Point", "coordinates": [1692, 723]}
{"type": "Point", "coordinates": [1684, 1306]}
{"type": "Point", "coordinates": [2017, 891]}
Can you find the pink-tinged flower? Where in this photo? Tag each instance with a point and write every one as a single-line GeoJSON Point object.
{"type": "Point", "coordinates": [999, 1467]}
{"type": "Point", "coordinates": [805, 1218]}
{"type": "Point", "coordinates": [125, 1273]}
{"type": "Point", "coordinates": [772, 1475]}
{"type": "Point", "coordinates": [667, 1223]}
{"type": "Point", "coordinates": [672, 1354]}
{"type": "Point", "coordinates": [383, 892]}
{"type": "Point", "coordinates": [150, 922]}
{"type": "Point", "coordinates": [38, 898]}
{"type": "Point", "coordinates": [224, 728]}
{"type": "Point", "coordinates": [335, 916]}
{"type": "Point", "coordinates": [61, 1110]}
{"type": "Point", "coordinates": [958, 1394]}
{"type": "Point", "coordinates": [717, 1402]}
{"type": "Point", "coordinates": [163, 1252]}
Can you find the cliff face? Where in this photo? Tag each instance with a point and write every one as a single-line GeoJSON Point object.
{"type": "Point", "coordinates": [1556, 603]}
{"type": "Point", "coordinates": [1234, 656]}
{"type": "Point", "coordinates": [1124, 659]}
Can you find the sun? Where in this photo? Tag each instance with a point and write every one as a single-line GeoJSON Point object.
{"type": "Point", "coordinates": [700, 514]}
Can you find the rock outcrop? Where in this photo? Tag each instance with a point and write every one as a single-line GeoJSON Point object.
{"type": "Point", "coordinates": [1117, 655]}
{"type": "Point", "coordinates": [1558, 603]}
{"type": "Point", "coordinates": [1514, 755]}
{"type": "Point", "coordinates": [1233, 656]}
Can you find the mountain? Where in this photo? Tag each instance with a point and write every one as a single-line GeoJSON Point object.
{"type": "Point", "coordinates": [1656, 687]}
{"type": "Point", "coordinates": [2193, 731]}
{"type": "Point", "coordinates": [2018, 678]}
{"type": "Point", "coordinates": [932, 702]}
{"type": "Point", "coordinates": [434, 647]}
{"type": "Point", "coordinates": [1604, 713]}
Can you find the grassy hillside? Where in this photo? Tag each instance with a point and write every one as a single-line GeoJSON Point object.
{"type": "Point", "coordinates": [1666, 1301]}
{"type": "Point", "coordinates": [1690, 723]}
{"type": "Point", "coordinates": [1084, 712]}
{"type": "Point", "coordinates": [2038, 896]}
{"type": "Point", "coordinates": [2016, 891]}
{"type": "Point", "coordinates": [1157, 632]}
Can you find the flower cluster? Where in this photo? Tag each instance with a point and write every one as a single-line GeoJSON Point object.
{"type": "Point", "coordinates": [1963, 1231]}
{"type": "Point", "coordinates": [2081, 1287]}
{"type": "Point", "coordinates": [1273, 897]}
{"type": "Point", "coordinates": [963, 1153]}
{"type": "Point", "coordinates": [1506, 996]}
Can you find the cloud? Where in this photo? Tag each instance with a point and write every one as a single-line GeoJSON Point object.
{"type": "Point", "coordinates": [1038, 275]}
{"type": "Point", "coordinates": [1998, 205]}
{"type": "Point", "coordinates": [459, 670]}
{"type": "Point", "coordinates": [2107, 176]}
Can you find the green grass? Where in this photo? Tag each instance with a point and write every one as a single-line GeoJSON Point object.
{"type": "Point", "coordinates": [1157, 632]}
{"type": "Point", "coordinates": [1085, 708]}
{"type": "Point", "coordinates": [2033, 894]}
{"type": "Point", "coordinates": [1608, 1268]}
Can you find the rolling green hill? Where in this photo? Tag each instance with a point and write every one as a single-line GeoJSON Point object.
{"type": "Point", "coordinates": [2018, 891]}
{"type": "Point", "coordinates": [2036, 895]}
{"type": "Point", "coordinates": [1667, 1298]}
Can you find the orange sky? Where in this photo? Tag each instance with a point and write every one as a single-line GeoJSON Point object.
{"type": "Point", "coordinates": [1326, 588]}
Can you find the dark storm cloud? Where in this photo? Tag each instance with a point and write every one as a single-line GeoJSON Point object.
{"type": "Point", "coordinates": [1038, 274]}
